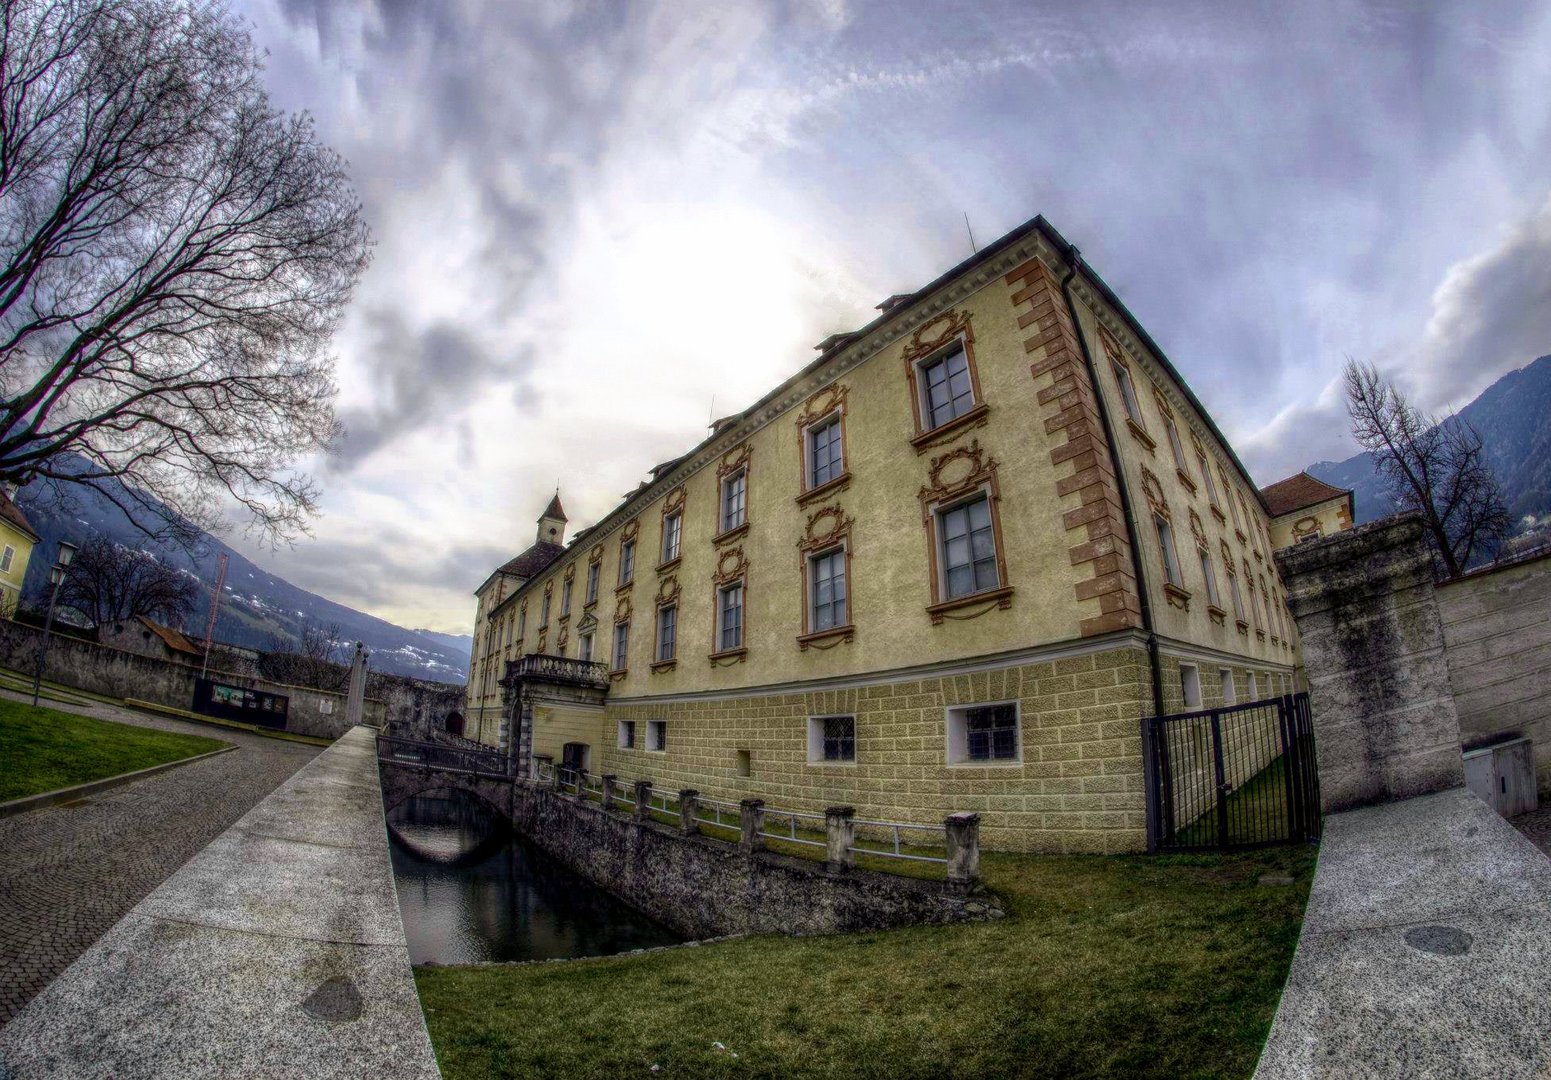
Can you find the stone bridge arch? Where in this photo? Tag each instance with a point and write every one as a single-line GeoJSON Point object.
{"type": "Point", "coordinates": [401, 780]}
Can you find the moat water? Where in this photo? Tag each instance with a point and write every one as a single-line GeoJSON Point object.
{"type": "Point", "coordinates": [471, 890]}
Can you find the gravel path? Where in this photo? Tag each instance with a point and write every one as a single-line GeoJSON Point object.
{"type": "Point", "coordinates": [70, 872]}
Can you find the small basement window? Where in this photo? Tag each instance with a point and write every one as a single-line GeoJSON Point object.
{"type": "Point", "coordinates": [657, 735]}
{"type": "Point", "coordinates": [1190, 685]}
{"type": "Point", "coordinates": [832, 740]}
{"type": "Point", "coordinates": [745, 763]}
{"type": "Point", "coordinates": [627, 734]}
{"type": "Point", "coordinates": [984, 734]}
{"type": "Point", "coordinates": [1230, 694]}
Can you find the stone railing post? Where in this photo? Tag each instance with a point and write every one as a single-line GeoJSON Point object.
{"type": "Point", "coordinates": [643, 798]}
{"type": "Point", "coordinates": [541, 762]}
{"type": "Point", "coordinates": [751, 816]}
{"type": "Point", "coordinates": [689, 809]}
{"type": "Point", "coordinates": [840, 832]}
{"type": "Point", "coordinates": [963, 832]}
{"type": "Point", "coordinates": [608, 790]}
{"type": "Point", "coordinates": [581, 785]}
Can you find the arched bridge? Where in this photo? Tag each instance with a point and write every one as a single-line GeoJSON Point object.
{"type": "Point", "coordinates": [409, 767]}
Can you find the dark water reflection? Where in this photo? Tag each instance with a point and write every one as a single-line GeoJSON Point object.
{"type": "Point", "coordinates": [470, 890]}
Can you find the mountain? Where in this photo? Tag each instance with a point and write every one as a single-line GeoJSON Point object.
{"type": "Point", "coordinates": [257, 608]}
{"type": "Point", "coordinates": [1513, 417]}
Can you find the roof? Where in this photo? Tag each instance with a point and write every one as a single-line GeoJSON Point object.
{"type": "Point", "coordinates": [1296, 492]}
{"type": "Point", "coordinates": [173, 639]}
{"type": "Point", "coordinates": [533, 560]}
{"type": "Point", "coordinates": [12, 514]}
{"type": "Point", "coordinates": [553, 510]}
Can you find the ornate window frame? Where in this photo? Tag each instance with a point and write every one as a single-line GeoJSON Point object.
{"type": "Point", "coordinates": [594, 579]}
{"type": "Point", "coordinates": [732, 568]}
{"type": "Point", "coordinates": [1214, 608]}
{"type": "Point", "coordinates": [932, 340]}
{"type": "Point", "coordinates": [1163, 519]}
{"type": "Point", "coordinates": [667, 597]}
{"type": "Point", "coordinates": [672, 506]}
{"type": "Point", "coordinates": [827, 403]}
{"type": "Point", "coordinates": [827, 529]}
{"type": "Point", "coordinates": [1234, 592]}
{"type": "Point", "coordinates": [627, 536]}
{"type": "Point", "coordinates": [953, 479]}
{"type": "Point", "coordinates": [621, 619]}
{"type": "Point", "coordinates": [1171, 433]}
{"type": "Point", "coordinates": [737, 460]}
{"type": "Point", "coordinates": [1119, 363]}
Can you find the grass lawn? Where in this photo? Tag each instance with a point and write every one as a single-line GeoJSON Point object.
{"type": "Point", "coordinates": [1105, 966]}
{"type": "Point", "coordinates": [43, 749]}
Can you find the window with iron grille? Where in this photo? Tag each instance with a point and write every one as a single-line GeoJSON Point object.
{"type": "Point", "coordinates": [968, 547]}
{"type": "Point", "coordinates": [827, 591]}
{"type": "Point", "coordinates": [667, 632]}
{"type": "Point", "coordinates": [735, 497]}
{"type": "Point", "coordinates": [983, 733]}
{"type": "Point", "coordinates": [832, 739]}
{"type": "Point", "coordinates": [729, 617]}
{"type": "Point", "coordinates": [672, 528]}
{"type": "Point", "coordinates": [946, 388]}
{"type": "Point", "coordinates": [826, 458]}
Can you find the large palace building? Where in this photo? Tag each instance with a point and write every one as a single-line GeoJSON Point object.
{"type": "Point", "coordinates": [947, 566]}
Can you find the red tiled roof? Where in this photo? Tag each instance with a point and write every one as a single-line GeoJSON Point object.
{"type": "Point", "coordinates": [1296, 492]}
{"type": "Point", "coordinates": [14, 516]}
{"type": "Point", "coordinates": [173, 639]}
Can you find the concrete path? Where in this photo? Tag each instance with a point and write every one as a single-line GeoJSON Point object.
{"type": "Point", "coordinates": [1426, 949]}
{"type": "Point", "coordinates": [275, 952]}
{"type": "Point", "coordinates": [68, 873]}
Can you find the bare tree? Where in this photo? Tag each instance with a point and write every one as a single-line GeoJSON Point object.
{"type": "Point", "coordinates": [1434, 466]}
{"type": "Point", "coordinates": [313, 658]}
{"type": "Point", "coordinates": [174, 256]}
{"type": "Point", "coordinates": [108, 583]}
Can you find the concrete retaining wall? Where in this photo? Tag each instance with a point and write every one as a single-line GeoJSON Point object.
{"type": "Point", "coordinates": [99, 669]}
{"type": "Point", "coordinates": [1497, 626]}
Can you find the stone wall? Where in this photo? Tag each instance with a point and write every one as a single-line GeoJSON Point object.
{"type": "Point", "coordinates": [110, 672]}
{"type": "Point", "coordinates": [414, 707]}
{"type": "Point", "coordinates": [1497, 626]}
{"type": "Point", "coordinates": [1373, 646]}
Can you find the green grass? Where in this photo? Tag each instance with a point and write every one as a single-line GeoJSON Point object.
{"type": "Point", "coordinates": [1257, 811]}
{"type": "Point", "coordinates": [44, 750]}
{"type": "Point", "coordinates": [1105, 966]}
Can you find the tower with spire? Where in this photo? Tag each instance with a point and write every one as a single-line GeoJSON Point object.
{"type": "Point", "coordinates": [552, 523]}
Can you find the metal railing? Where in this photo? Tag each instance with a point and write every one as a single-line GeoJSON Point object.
{"type": "Point", "coordinates": [789, 834]}
{"type": "Point", "coordinates": [440, 755]}
{"type": "Point", "coordinates": [890, 832]}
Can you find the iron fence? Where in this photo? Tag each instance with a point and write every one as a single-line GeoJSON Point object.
{"type": "Point", "coordinates": [1236, 777]}
{"type": "Point", "coordinates": [440, 755]}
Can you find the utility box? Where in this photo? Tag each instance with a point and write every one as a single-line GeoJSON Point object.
{"type": "Point", "coordinates": [1503, 775]}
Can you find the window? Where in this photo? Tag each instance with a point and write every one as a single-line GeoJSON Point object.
{"type": "Point", "coordinates": [1206, 473]}
{"type": "Point", "coordinates": [627, 734]}
{"type": "Point", "coordinates": [983, 733]}
{"type": "Point", "coordinates": [1229, 691]}
{"type": "Point", "coordinates": [947, 391]}
{"type": "Point", "coordinates": [7, 558]}
{"type": "Point", "coordinates": [827, 591]}
{"type": "Point", "coordinates": [667, 632]}
{"type": "Point", "coordinates": [735, 499]}
{"type": "Point", "coordinates": [1127, 392]}
{"type": "Point", "coordinates": [1166, 549]}
{"type": "Point", "coordinates": [621, 645]}
{"type": "Point", "coordinates": [657, 735]}
{"type": "Point", "coordinates": [729, 617]}
{"type": "Point", "coordinates": [968, 548]}
{"type": "Point", "coordinates": [1254, 688]}
{"type": "Point", "coordinates": [672, 528]}
{"type": "Point", "coordinates": [832, 739]}
{"type": "Point", "coordinates": [744, 763]}
{"type": "Point", "coordinates": [584, 647]}
{"type": "Point", "coordinates": [592, 582]}
{"type": "Point", "coordinates": [1190, 685]}
{"type": "Point", "coordinates": [544, 610]}
{"type": "Point", "coordinates": [826, 454]}
{"type": "Point", "coordinates": [1232, 509]}
{"type": "Point", "coordinates": [1233, 590]}
{"type": "Point", "coordinates": [1178, 449]}
{"type": "Point", "coordinates": [565, 598]}
{"type": "Point", "coordinates": [522, 623]}
{"type": "Point", "coordinates": [1209, 574]}
{"type": "Point", "coordinates": [627, 562]}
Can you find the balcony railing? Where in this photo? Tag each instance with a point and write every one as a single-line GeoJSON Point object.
{"type": "Point", "coordinates": [440, 755]}
{"type": "Point", "coordinates": [561, 669]}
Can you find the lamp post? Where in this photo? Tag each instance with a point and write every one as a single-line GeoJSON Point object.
{"type": "Point", "coordinates": [56, 577]}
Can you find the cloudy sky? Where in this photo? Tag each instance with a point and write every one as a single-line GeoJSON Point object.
{"type": "Point", "coordinates": [599, 224]}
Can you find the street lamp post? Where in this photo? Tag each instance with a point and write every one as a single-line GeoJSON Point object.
{"type": "Point", "coordinates": [56, 577]}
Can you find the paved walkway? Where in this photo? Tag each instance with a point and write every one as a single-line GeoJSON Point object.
{"type": "Point", "coordinates": [276, 952]}
{"type": "Point", "coordinates": [1426, 949]}
{"type": "Point", "coordinates": [68, 873]}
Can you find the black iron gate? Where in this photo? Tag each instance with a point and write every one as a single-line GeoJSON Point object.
{"type": "Point", "coordinates": [1236, 777]}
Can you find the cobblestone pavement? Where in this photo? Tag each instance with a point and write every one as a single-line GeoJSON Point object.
{"type": "Point", "coordinates": [1536, 827]}
{"type": "Point", "coordinates": [69, 872]}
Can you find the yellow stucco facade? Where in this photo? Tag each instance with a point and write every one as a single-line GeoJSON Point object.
{"type": "Point", "coordinates": [16, 543]}
{"type": "Point", "coordinates": [1052, 632]}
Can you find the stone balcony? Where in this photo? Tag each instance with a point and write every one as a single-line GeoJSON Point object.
{"type": "Point", "coordinates": [539, 667]}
